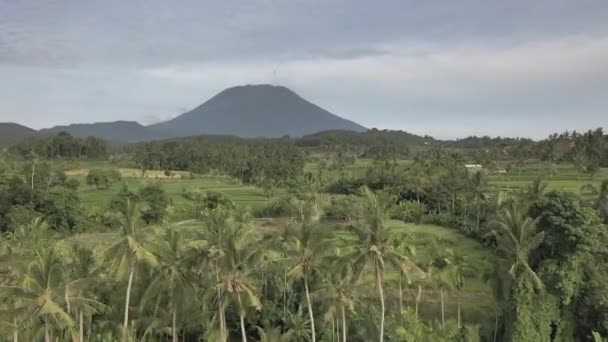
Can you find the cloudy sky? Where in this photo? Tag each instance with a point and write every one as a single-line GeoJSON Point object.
{"type": "Point", "coordinates": [444, 68]}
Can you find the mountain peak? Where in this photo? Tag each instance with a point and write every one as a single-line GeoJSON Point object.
{"type": "Point", "coordinates": [256, 110]}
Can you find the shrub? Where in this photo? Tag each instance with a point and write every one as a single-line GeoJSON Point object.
{"type": "Point", "coordinates": [408, 211]}
{"type": "Point", "coordinates": [281, 206]}
{"type": "Point", "coordinates": [102, 179]}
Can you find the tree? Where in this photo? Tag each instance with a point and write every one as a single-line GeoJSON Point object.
{"type": "Point", "coordinates": [478, 189]}
{"type": "Point", "coordinates": [517, 238]}
{"type": "Point", "coordinates": [241, 259]}
{"type": "Point", "coordinates": [42, 293]}
{"type": "Point", "coordinates": [309, 246]}
{"type": "Point", "coordinates": [102, 179]}
{"type": "Point", "coordinates": [172, 277]}
{"type": "Point", "coordinates": [157, 201]}
{"type": "Point", "coordinates": [80, 291]}
{"type": "Point", "coordinates": [127, 253]}
{"type": "Point", "coordinates": [371, 246]}
{"type": "Point", "coordinates": [459, 267]}
{"type": "Point", "coordinates": [339, 292]}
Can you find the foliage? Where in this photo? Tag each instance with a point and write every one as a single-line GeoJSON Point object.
{"type": "Point", "coordinates": [102, 179]}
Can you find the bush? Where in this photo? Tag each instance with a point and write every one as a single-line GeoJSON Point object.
{"type": "Point", "coordinates": [444, 219]}
{"type": "Point", "coordinates": [62, 209]}
{"type": "Point", "coordinates": [344, 187]}
{"type": "Point", "coordinates": [408, 211]}
{"type": "Point", "coordinates": [72, 184]}
{"type": "Point", "coordinates": [341, 206]}
{"type": "Point", "coordinates": [279, 207]}
{"type": "Point", "coordinates": [157, 202]}
{"type": "Point", "coordinates": [102, 179]}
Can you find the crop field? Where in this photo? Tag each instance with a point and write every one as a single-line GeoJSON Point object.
{"type": "Point", "coordinates": [245, 195]}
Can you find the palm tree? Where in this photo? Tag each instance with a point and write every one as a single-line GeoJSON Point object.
{"type": "Point", "coordinates": [459, 267]}
{"type": "Point", "coordinates": [478, 188]}
{"type": "Point", "coordinates": [339, 292]}
{"type": "Point", "coordinates": [241, 258]}
{"type": "Point", "coordinates": [517, 237]}
{"type": "Point", "coordinates": [172, 277]}
{"type": "Point", "coordinates": [42, 295]}
{"type": "Point", "coordinates": [601, 197]}
{"type": "Point", "coordinates": [536, 189]}
{"type": "Point", "coordinates": [85, 273]}
{"type": "Point", "coordinates": [401, 244]}
{"type": "Point", "coordinates": [127, 253]}
{"type": "Point", "coordinates": [310, 244]}
{"type": "Point", "coordinates": [371, 246]}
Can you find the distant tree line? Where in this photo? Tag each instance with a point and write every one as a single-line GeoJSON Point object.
{"type": "Point", "coordinates": [250, 160]}
{"type": "Point", "coordinates": [62, 145]}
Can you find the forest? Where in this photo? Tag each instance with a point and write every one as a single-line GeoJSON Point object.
{"type": "Point", "coordinates": [335, 236]}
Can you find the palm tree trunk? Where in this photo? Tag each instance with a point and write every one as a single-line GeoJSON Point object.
{"type": "Point", "coordinates": [222, 314]}
{"type": "Point", "coordinates": [242, 318]}
{"type": "Point", "coordinates": [496, 325]}
{"type": "Point", "coordinates": [381, 294]}
{"type": "Point", "coordinates": [80, 326]}
{"type": "Point", "coordinates": [458, 300]}
{"type": "Point", "coordinates": [343, 324]}
{"type": "Point", "coordinates": [418, 297]}
{"type": "Point", "coordinates": [478, 215]}
{"type": "Point", "coordinates": [401, 297]}
{"type": "Point", "coordinates": [47, 336]}
{"type": "Point", "coordinates": [174, 326]}
{"type": "Point", "coordinates": [285, 292]}
{"type": "Point", "coordinates": [442, 308]}
{"type": "Point", "coordinates": [125, 324]}
{"type": "Point", "coordinates": [310, 314]}
{"type": "Point", "coordinates": [16, 332]}
{"type": "Point", "coordinates": [33, 173]}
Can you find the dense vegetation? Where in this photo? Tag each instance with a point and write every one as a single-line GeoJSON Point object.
{"type": "Point", "coordinates": [421, 249]}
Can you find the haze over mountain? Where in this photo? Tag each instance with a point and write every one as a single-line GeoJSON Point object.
{"type": "Point", "coordinates": [244, 111]}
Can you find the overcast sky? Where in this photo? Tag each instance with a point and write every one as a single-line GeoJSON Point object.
{"type": "Point", "coordinates": [444, 68]}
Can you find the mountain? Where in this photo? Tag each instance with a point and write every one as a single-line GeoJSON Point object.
{"type": "Point", "coordinates": [255, 111]}
{"type": "Point", "coordinates": [117, 131]}
{"type": "Point", "coordinates": [244, 111]}
{"type": "Point", "coordinates": [11, 133]}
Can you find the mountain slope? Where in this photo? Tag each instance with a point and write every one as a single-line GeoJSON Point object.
{"type": "Point", "coordinates": [252, 111]}
{"type": "Point", "coordinates": [11, 133]}
{"type": "Point", "coordinates": [117, 131]}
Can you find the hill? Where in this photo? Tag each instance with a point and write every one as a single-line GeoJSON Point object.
{"type": "Point", "coordinates": [11, 133]}
{"type": "Point", "coordinates": [117, 131]}
{"type": "Point", "coordinates": [255, 111]}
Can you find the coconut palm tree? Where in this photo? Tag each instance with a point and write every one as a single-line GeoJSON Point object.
{"type": "Point", "coordinates": [309, 245]}
{"type": "Point", "coordinates": [41, 294]}
{"type": "Point", "coordinates": [517, 237]}
{"type": "Point", "coordinates": [339, 292]}
{"type": "Point", "coordinates": [536, 189]}
{"type": "Point", "coordinates": [241, 259]}
{"type": "Point", "coordinates": [84, 271]}
{"type": "Point", "coordinates": [172, 277]}
{"type": "Point", "coordinates": [459, 267]}
{"type": "Point", "coordinates": [478, 189]}
{"type": "Point", "coordinates": [408, 269]}
{"type": "Point", "coordinates": [371, 246]}
{"type": "Point", "coordinates": [126, 253]}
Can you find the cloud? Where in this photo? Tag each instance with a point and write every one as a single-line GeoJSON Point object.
{"type": "Point", "coordinates": [445, 68]}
